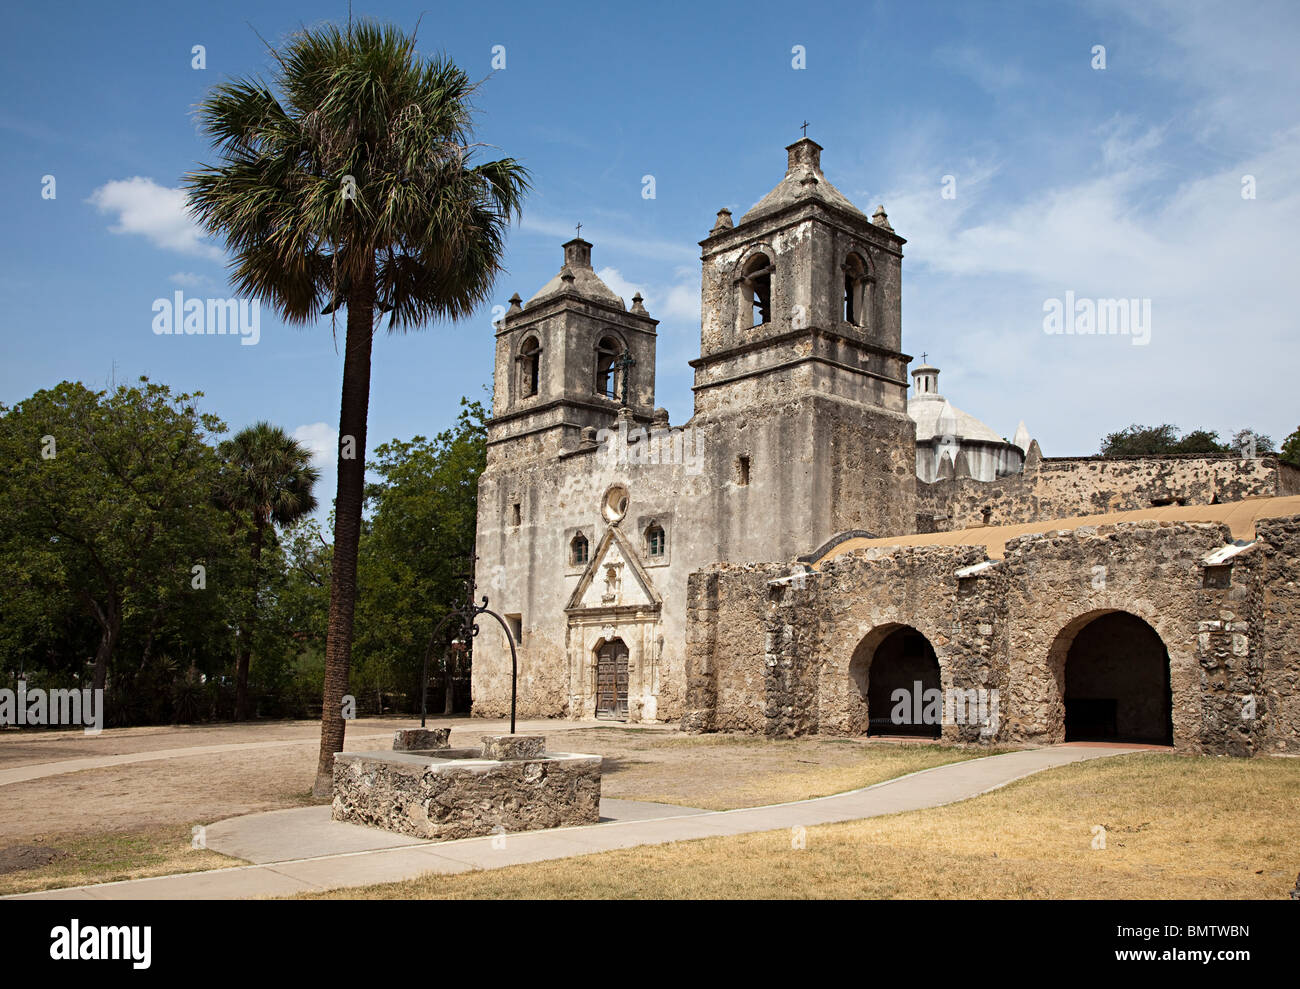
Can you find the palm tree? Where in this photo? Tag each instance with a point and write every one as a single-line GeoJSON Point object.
{"type": "Point", "coordinates": [267, 477]}
{"type": "Point", "coordinates": [354, 187]}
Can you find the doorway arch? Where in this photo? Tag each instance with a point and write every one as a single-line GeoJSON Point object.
{"type": "Point", "coordinates": [1112, 671]}
{"type": "Point", "coordinates": [897, 674]}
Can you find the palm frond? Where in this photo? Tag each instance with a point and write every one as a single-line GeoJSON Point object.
{"type": "Point", "coordinates": [361, 167]}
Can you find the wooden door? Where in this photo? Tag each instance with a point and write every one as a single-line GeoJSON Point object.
{"type": "Point", "coordinates": [611, 680]}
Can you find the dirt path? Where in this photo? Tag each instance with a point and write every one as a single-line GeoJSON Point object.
{"type": "Point", "coordinates": [18, 748]}
{"type": "Point", "coordinates": [273, 768]}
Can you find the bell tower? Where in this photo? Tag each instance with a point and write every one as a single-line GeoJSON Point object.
{"type": "Point", "coordinates": [570, 358]}
{"type": "Point", "coordinates": [802, 293]}
{"type": "Point", "coordinates": [801, 372]}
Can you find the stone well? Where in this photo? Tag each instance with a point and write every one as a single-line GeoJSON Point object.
{"type": "Point", "coordinates": [444, 793]}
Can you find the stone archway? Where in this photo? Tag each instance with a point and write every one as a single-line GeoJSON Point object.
{"type": "Point", "coordinates": [1112, 672]}
{"type": "Point", "coordinates": [899, 682]}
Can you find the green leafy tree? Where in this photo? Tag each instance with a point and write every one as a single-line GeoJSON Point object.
{"type": "Point", "coordinates": [293, 617]}
{"type": "Point", "coordinates": [1247, 439]}
{"type": "Point", "coordinates": [417, 547]}
{"type": "Point", "coordinates": [266, 481]}
{"type": "Point", "coordinates": [1138, 440]}
{"type": "Point", "coordinates": [1200, 441]}
{"type": "Point", "coordinates": [354, 187]}
{"type": "Point", "coordinates": [105, 500]}
{"type": "Point", "coordinates": [1154, 441]}
{"type": "Point", "coordinates": [1290, 452]}
{"type": "Point", "coordinates": [1148, 441]}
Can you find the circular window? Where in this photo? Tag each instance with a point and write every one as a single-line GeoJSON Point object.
{"type": "Point", "coordinates": [615, 504]}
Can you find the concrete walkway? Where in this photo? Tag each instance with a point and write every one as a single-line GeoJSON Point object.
{"type": "Point", "coordinates": [277, 836]}
{"type": "Point", "coordinates": [342, 867]}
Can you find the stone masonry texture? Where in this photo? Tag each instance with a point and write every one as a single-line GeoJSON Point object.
{"type": "Point", "coordinates": [453, 799]}
{"type": "Point", "coordinates": [775, 650]}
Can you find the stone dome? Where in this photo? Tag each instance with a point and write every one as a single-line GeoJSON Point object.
{"type": "Point", "coordinates": [803, 180]}
{"type": "Point", "coordinates": [953, 443]}
{"type": "Point", "coordinates": [578, 277]}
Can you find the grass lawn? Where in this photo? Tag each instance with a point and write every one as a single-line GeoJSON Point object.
{"type": "Point", "coordinates": [103, 858]}
{"type": "Point", "coordinates": [1174, 827]}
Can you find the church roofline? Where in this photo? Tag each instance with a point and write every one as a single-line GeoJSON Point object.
{"type": "Point", "coordinates": [552, 304]}
{"type": "Point", "coordinates": [849, 223]}
{"type": "Point", "coordinates": [613, 534]}
{"type": "Point", "coordinates": [1240, 517]}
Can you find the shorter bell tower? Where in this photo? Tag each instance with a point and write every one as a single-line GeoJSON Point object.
{"type": "Point", "coordinates": [568, 359]}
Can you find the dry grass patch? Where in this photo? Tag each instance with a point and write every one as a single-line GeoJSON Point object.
{"type": "Point", "coordinates": [77, 860]}
{"type": "Point", "coordinates": [1176, 827]}
{"type": "Point", "coordinates": [722, 772]}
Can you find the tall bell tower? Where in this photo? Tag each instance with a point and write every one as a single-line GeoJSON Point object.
{"type": "Point", "coordinates": [800, 354]}
{"type": "Point", "coordinates": [803, 292]}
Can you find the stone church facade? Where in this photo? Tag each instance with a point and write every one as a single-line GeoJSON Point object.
{"type": "Point", "coordinates": [594, 511]}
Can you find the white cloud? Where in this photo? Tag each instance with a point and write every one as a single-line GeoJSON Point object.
{"type": "Point", "coordinates": [323, 442]}
{"type": "Point", "coordinates": [144, 207]}
{"type": "Point", "coordinates": [1152, 210]}
{"type": "Point", "coordinates": [677, 303]}
{"type": "Point", "coordinates": [1216, 267]}
{"type": "Point", "coordinates": [188, 279]}
{"type": "Point", "coordinates": [618, 284]}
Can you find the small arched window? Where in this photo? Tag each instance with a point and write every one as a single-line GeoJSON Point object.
{"type": "Point", "coordinates": [578, 550]}
{"type": "Point", "coordinates": [530, 367]}
{"type": "Point", "coordinates": [756, 289]}
{"type": "Point", "coordinates": [856, 295]}
{"type": "Point", "coordinates": [655, 540]}
{"type": "Point", "coordinates": [606, 355]}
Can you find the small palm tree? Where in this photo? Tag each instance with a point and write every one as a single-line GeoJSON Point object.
{"type": "Point", "coordinates": [354, 188]}
{"type": "Point", "coordinates": [266, 477]}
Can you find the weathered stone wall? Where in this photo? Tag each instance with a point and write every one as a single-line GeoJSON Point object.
{"type": "Point", "coordinates": [1062, 488]}
{"type": "Point", "coordinates": [1274, 564]}
{"type": "Point", "coordinates": [817, 464]}
{"type": "Point", "coordinates": [409, 794]}
{"type": "Point", "coordinates": [786, 654]}
{"type": "Point", "coordinates": [726, 661]}
{"type": "Point", "coordinates": [1058, 582]}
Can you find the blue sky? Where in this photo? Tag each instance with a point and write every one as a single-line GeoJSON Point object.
{"type": "Point", "coordinates": [1117, 182]}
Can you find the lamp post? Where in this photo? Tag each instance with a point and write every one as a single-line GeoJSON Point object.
{"type": "Point", "coordinates": [468, 614]}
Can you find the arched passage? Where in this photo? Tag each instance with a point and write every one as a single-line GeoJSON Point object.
{"type": "Point", "coordinates": [1113, 672]}
{"type": "Point", "coordinates": [897, 674]}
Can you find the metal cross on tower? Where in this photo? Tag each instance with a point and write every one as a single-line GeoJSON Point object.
{"type": "Point", "coordinates": [805, 128]}
{"type": "Point", "coordinates": [624, 363]}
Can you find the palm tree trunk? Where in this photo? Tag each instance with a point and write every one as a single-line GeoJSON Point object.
{"type": "Point", "coordinates": [347, 523]}
{"type": "Point", "coordinates": [242, 662]}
